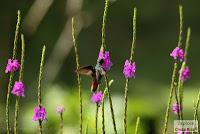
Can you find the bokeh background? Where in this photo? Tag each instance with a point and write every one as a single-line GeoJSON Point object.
{"type": "Point", "coordinates": [49, 22]}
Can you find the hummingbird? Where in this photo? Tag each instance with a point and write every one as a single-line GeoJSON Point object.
{"type": "Point", "coordinates": [95, 72]}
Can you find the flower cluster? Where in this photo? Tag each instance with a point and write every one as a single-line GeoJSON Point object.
{"type": "Point", "coordinates": [39, 113]}
{"type": "Point", "coordinates": [176, 108]}
{"type": "Point", "coordinates": [129, 69]}
{"type": "Point", "coordinates": [18, 88]}
{"type": "Point", "coordinates": [60, 109]}
{"type": "Point", "coordinates": [12, 65]}
{"type": "Point", "coordinates": [105, 56]}
{"type": "Point", "coordinates": [177, 53]}
{"type": "Point", "coordinates": [97, 97]}
{"type": "Point", "coordinates": [185, 74]}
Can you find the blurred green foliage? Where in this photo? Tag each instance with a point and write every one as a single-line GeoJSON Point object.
{"type": "Point", "coordinates": [157, 35]}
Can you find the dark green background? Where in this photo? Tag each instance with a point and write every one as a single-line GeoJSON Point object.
{"type": "Point", "coordinates": [157, 35]}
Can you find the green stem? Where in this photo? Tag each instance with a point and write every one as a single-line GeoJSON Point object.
{"type": "Point", "coordinates": [170, 97]}
{"type": "Point", "coordinates": [78, 76]}
{"type": "Point", "coordinates": [40, 126]}
{"type": "Point", "coordinates": [61, 123]}
{"type": "Point", "coordinates": [103, 116]}
{"type": "Point", "coordinates": [103, 43]}
{"type": "Point", "coordinates": [180, 81]}
{"type": "Point", "coordinates": [20, 79]}
{"type": "Point", "coordinates": [40, 83]}
{"type": "Point", "coordinates": [174, 75]}
{"type": "Point", "coordinates": [86, 129]}
{"type": "Point", "coordinates": [187, 43]}
{"type": "Point", "coordinates": [103, 103]}
{"type": "Point", "coordinates": [96, 119]}
{"type": "Point", "coordinates": [125, 105]}
{"type": "Point", "coordinates": [176, 98]}
{"type": "Point", "coordinates": [127, 80]}
{"type": "Point", "coordinates": [180, 26]}
{"type": "Point", "coordinates": [137, 125]}
{"type": "Point", "coordinates": [196, 110]}
{"type": "Point", "coordinates": [134, 34]}
{"type": "Point", "coordinates": [111, 105]}
{"type": "Point", "coordinates": [12, 74]}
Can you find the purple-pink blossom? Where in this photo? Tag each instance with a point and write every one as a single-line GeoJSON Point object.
{"type": "Point", "coordinates": [12, 65]}
{"type": "Point", "coordinates": [105, 56]}
{"type": "Point", "coordinates": [60, 109]}
{"type": "Point", "coordinates": [97, 97]}
{"type": "Point", "coordinates": [129, 69]}
{"type": "Point", "coordinates": [176, 108]}
{"type": "Point", "coordinates": [39, 113]}
{"type": "Point", "coordinates": [177, 54]}
{"type": "Point", "coordinates": [185, 75]}
{"type": "Point", "coordinates": [18, 88]}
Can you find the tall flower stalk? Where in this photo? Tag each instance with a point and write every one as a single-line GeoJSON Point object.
{"type": "Point", "coordinates": [103, 48]}
{"type": "Point", "coordinates": [174, 74]}
{"type": "Point", "coordinates": [103, 116]}
{"type": "Point", "coordinates": [78, 76]}
{"type": "Point", "coordinates": [12, 73]}
{"type": "Point", "coordinates": [180, 81]}
{"type": "Point", "coordinates": [127, 79]}
{"type": "Point", "coordinates": [60, 110]}
{"type": "Point", "coordinates": [86, 129]}
{"type": "Point", "coordinates": [103, 104]}
{"type": "Point", "coordinates": [39, 86]}
{"type": "Point", "coordinates": [20, 79]}
{"type": "Point", "coordinates": [103, 33]}
{"type": "Point", "coordinates": [137, 125]}
{"type": "Point", "coordinates": [196, 107]}
{"type": "Point", "coordinates": [61, 123]}
{"type": "Point", "coordinates": [96, 119]}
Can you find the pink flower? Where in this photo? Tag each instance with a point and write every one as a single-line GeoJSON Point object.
{"type": "Point", "coordinates": [105, 56]}
{"type": "Point", "coordinates": [177, 53]}
{"type": "Point", "coordinates": [60, 109]}
{"type": "Point", "coordinates": [129, 69]}
{"type": "Point", "coordinates": [18, 88]}
{"type": "Point", "coordinates": [39, 113]}
{"type": "Point", "coordinates": [185, 74]}
{"type": "Point", "coordinates": [12, 65]}
{"type": "Point", "coordinates": [176, 108]}
{"type": "Point", "coordinates": [97, 97]}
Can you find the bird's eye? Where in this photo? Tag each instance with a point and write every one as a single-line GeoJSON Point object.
{"type": "Point", "coordinates": [101, 61]}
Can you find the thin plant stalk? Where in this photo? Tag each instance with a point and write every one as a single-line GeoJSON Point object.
{"type": "Point", "coordinates": [20, 79]}
{"type": "Point", "coordinates": [40, 83]}
{"type": "Point", "coordinates": [196, 107]}
{"type": "Point", "coordinates": [96, 119]}
{"type": "Point", "coordinates": [180, 81]}
{"type": "Point", "coordinates": [103, 47]}
{"type": "Point", "coordinates": [103, 116]}
{"type": "Point", "coordinates": [111, 105]}
{"type": "Point", "coordinates": [61, 123]}
{"type": "Point", "coordinates": [127, 80]}
{"type": "Point", "coordinates": [103, 104]}
{"type": "Point", "coordinates": [103, 33]}
{"type": "Point", "coordinates": [176, 98]}
{"type": "Point", "coordinates": [174, 74]}
{"type": "Point", "coordinates": [86, 129]}
{"type": "Point", "coordinates": [78, 76]}
{"type": "Point", "coordinates": [137, 125]}
{"type": "Point", "coordinates": [12, 74]}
